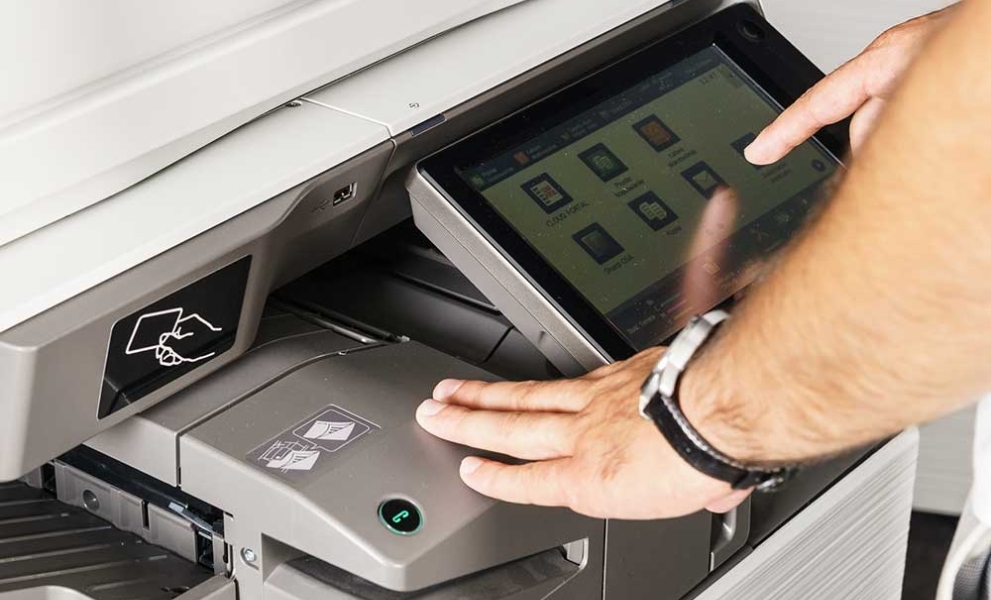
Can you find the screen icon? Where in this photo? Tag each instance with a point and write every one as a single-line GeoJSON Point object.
{"type": "Point", "coordinates": [546, 193]}
{"type": "Point", "coordinates": [603, 163]}
{"type": "Point", "coordinates": [656, 133]}
{"type": "Point", "coordinates": [654, 213]}
{"type": "Point", "coordinates": [741, 144]}
{"type": "Point", "coordinates": [705, 181]}
{"type": "Point", "coordinates": [598, 244]}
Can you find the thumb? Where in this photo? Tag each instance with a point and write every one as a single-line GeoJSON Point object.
{"type": "Point", "coordinates": [864, 122]}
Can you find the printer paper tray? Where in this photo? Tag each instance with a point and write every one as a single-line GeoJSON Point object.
{"type": "Point", "coordinates": [46, 543]}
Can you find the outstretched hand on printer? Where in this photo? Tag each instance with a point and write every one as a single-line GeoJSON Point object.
{"type": "Point", "coordinates": [862, 87]}
{"type": "Point", "coordinates": [592, 451]}
{"type": "Point", "coordinates": [598, 456]}
{"type": "Point", "coordinates": [874, 319]}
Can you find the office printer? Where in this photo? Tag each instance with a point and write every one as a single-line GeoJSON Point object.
{"type": "Point", "coordinates": [217, 319]}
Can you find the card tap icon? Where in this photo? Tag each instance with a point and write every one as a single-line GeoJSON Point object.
{"type": "Point", "coordinates": [171, 335]}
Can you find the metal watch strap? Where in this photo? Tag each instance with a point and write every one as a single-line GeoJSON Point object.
{"type": "Point", "coordinates": [659, 403]}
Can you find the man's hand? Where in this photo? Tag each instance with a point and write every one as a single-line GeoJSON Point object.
{"type": "Point", "coordinates": [861, 87]}
{"type": "Point", "coordinates": [594, 452]}
{"type": "Point", "coordinates": [591, 450]}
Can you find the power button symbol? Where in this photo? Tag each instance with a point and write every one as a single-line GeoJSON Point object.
{"type": "Point", "coordinates": [400, 516]}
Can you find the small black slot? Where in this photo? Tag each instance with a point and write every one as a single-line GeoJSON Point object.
{"type": "Point", "coordinates": [344, 194]}
{"type": "Point", "coordinates": [426, 125]}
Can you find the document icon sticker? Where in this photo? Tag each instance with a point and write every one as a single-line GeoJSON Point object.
{"type": "Point", "coordinates": [309, 445]}
{"type": "Point", "coordinates": [329, 430]}
{"type": "Point", "coordinates": [290, 456]}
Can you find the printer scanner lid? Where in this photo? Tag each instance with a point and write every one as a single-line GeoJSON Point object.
{"type": "Point", "coordinates": [99, 95]}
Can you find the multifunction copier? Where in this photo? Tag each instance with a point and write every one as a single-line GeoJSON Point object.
{"type": "Point", "coordinates": [225, 289]}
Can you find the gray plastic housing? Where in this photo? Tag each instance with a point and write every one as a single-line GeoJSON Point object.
{"type": "Point", "coordinates": [149, 442]}
{"type": "Point", "coordinates": [298, 527]}
{"type": "Point", "coordinates": [202, 440]}
{"type": "Point", "coordinates": [52, 365]}
{"type": "Point", "coordinates": [330, 512]}
{"type": "Point", "coordinates": [400, 286]}
{"type": "Point", "coordinates": [536, 317]}
{"type": "Point", "coordinates": [535, 577]}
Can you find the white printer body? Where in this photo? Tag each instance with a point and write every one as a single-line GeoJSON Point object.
{"type": "Point", "coordinates": [236, 172]}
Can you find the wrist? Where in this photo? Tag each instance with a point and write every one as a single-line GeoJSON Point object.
{"type": "Point", "coordinates": [661, 402]}
{"type": "Point", "coordinates": [730, 422]}
{"type": "Point", "coordinates": [732, 405]}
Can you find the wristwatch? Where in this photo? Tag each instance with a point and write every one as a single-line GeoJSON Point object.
{"type": "Point", "coordinates": [659, 403]}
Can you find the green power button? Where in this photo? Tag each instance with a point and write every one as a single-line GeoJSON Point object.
{"type": "Point", "coordinates": [400, 516]}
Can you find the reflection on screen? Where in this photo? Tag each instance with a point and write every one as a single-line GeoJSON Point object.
{"type": "Point", "coordinates": [645, 203]}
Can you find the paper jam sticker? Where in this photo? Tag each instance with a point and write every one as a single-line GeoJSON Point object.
{"type": "Point", "coordinates": [307, 445]}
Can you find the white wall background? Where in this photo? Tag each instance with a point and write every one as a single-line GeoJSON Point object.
{"type": "Point", "coordinates": [830, 32]}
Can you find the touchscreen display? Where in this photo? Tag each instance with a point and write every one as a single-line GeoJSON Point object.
{"type": "Point", "coordinates": [645, 204]}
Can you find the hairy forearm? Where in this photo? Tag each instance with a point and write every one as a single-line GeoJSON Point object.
{"type": "Point", "coordinates": [879, 317]}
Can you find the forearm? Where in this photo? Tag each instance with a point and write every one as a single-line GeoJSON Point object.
{"type": "Point", "coordinates": [879, 317]}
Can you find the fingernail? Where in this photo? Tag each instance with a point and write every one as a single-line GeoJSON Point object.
{"type": "Point", "coordinates": [445, 389]}
{"type": "Point", "coordinates": [758, 153]}
{"type": "Point", "coordinates": [430, 408]}
{"type": "Point", "coordinates": [752, 153]}
{"type": "Point", "coordinates": [470, 465]}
